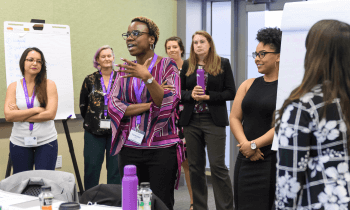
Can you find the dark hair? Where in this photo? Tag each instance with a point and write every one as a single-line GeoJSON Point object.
{"type": "Point", "coordinates": [152, 27]}
{"type": "Point", "coordinates": [179, 42]}
{"type": "Point", "coordinates": [326, 62]}
{"type": "Point", "coordinates": [40, 79]}
{"type": "Point", "coordinates": [212, 61]}
{"type": "Point", "coordinates": [270, 36]}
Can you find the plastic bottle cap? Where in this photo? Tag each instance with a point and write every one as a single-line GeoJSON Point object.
{"type": "Point", "coordinates": [44, 188]}
{"type": "Point", "coordinates": [69, 206]}
{"type": "Point", "coordinates": [130, 170]}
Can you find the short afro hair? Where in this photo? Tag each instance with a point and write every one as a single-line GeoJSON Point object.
{"type": "Point", "coordinates": [152, 27]}
{"type": "Point", "coordinates": [270, 36]}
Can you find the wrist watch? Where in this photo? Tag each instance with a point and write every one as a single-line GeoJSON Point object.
{"type": "Point", "coordinates": [252, 145]}
{"type": "Point", "coordinates": [149, 81]}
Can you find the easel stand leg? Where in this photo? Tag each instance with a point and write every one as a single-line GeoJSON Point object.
{"type": "Point", "coordinates": [72, 154]}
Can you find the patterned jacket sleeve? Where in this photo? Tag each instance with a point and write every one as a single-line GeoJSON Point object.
{"type": "Point", "coordinates": [294, 137]}
{"type": "Point", "coordinates": [116, 109]}
{"type": "Point", "coordinates": [161, 115]}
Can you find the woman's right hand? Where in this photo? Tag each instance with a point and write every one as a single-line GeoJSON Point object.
{"type": "Point", "coordinates": [197, 91]}
{"type": "Point", "coordinates": [258, 155]}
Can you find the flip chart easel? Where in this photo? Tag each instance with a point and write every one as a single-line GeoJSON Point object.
{"type": "Point", "coordinates": [297, 19]}
{"type": "Point", "coordinates": [54, 41]}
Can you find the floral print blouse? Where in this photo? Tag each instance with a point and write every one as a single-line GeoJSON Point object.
{"type": "Point", "coordinates": [312, 159]}
{"type": "Point", "coordinates": [92, 103]}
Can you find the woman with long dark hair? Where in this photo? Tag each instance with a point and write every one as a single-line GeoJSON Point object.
{"type": "Point", "coordinates": [204, 119]}
{"type": "Point", "coordinates": [31, 104]}
{"type": "Point", "coordinates": [97, 123]}
{"type": "Point", "coordinates": [250, 122]}
{"type": "Point", "coordinates": [313, 125]}
{"type": "Point", "coordinates": [143, 112]}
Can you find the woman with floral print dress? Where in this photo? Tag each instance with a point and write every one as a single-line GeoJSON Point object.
{"type": "Point", "coordinates": [313, 125]}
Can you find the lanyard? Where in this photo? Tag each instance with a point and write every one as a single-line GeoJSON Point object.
{"type": "Point", "coordinates": [106, 93]}
{"type": "Point", "coordinates": [30, 104]}
{"type": "Point", "coordinates": [138, 91]}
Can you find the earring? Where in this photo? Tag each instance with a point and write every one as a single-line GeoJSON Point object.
{"type": "Point", "coordinates": [151, 46]}
{"type": "Point", "coordinates": [99, 67]}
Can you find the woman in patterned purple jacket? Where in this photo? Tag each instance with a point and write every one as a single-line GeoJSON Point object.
{"type": "Point", "coordinates": [143, 112]}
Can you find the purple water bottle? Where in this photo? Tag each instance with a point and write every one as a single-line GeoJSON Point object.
{"type": "Point", "coordinates": [129, 188]}
{"type": "Point", "coordinates": [200, 77]}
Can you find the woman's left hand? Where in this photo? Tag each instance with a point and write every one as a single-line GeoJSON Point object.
{"type": "Point", "coordinates": [135, 69]}
{"type": "Point", "coordinates": [13, 106]}
{"type": "Point", "coordinates": [245, 149]}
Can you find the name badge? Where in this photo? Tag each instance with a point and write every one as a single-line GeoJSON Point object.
{"type": "Point", "coordinates": [105, 123]}
{"type": "Point", "coordinates": [136, 136]}
{"type": "Point", "coordinates": [31, 141]}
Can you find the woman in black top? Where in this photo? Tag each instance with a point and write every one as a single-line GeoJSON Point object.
{"type": "Point", "coordinates": [204, 119]}
{"type": "Point", "coordinates": [93, 108]}
{"type": "Point", "coordinates": [255, 102]}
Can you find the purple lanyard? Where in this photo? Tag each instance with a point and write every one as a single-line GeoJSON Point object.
{"type": "Point", "coordinates": [30, 104]}
{"type": "Point", "coordinates": [138, 91]}
{"type": "Point", "coordinates": [106, 93]}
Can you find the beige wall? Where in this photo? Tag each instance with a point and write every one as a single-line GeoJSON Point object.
{"type": "Point", "coordinates": [93, 23]}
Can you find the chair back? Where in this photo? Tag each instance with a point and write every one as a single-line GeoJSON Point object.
{"type": "Point", "coordinates": [29, 182]}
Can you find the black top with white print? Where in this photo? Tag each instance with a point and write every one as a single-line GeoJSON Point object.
{"type": "Point", "coordinates": [312, 159]}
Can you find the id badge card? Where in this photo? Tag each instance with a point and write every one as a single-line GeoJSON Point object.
{"type": "Point", "coordinates": [136, 136]}
{"type": "Point", "coordinates": [30, 141]}
{"type": "Point", "coordinates": [105, 123]}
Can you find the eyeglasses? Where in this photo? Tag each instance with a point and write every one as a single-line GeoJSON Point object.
{"type": "Point", "coordinates": [31, 60]}
{"type": "Point", "coordinates": [133, 34]}
{"type": "Point", "coordinates": [261, 54]}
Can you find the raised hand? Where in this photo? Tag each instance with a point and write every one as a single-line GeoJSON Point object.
{"type": "Point", "coordinates": [135, 70]}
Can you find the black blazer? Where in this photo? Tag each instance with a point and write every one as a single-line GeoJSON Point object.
{"type": "Point", "coordinates": [220, 88]}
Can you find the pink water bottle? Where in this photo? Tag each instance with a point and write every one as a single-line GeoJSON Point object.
{"type": "Point", "coordinates": [129, 188]}
{"type": "Point", "coordinates": [200, 77]}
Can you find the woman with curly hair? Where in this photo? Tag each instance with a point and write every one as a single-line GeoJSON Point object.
{"type": "Point", "coordinates": [313, 125]}
{"type": "Point", "coordinates": [143, 112]}
{"type": "Point", "coordinates": [250, 122]}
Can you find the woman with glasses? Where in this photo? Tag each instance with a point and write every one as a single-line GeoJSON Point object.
{"type": "Point", "coordinates": [31, 104]}
{"type": "Point", "coordinates": [175, 49]}
{"type": "Point", "coordinates": [204, 119]}
{"type": "Point", "coordinates": [250, 122]}
{"type": "Point", "coordinates": [97, 124]}
{"type": "Point", "coordinates": [313, 125]}
{"type": "Point", "coordinates": [143, 112]}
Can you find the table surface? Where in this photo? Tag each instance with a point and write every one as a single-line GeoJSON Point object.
{"type": "Point", "coordinates": [26, 202]}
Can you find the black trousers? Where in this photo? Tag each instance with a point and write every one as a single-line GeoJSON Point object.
{"type": "Point", "coordinates": [157, 166]}
{"type": "Point", "coordinates": [202, 132]}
